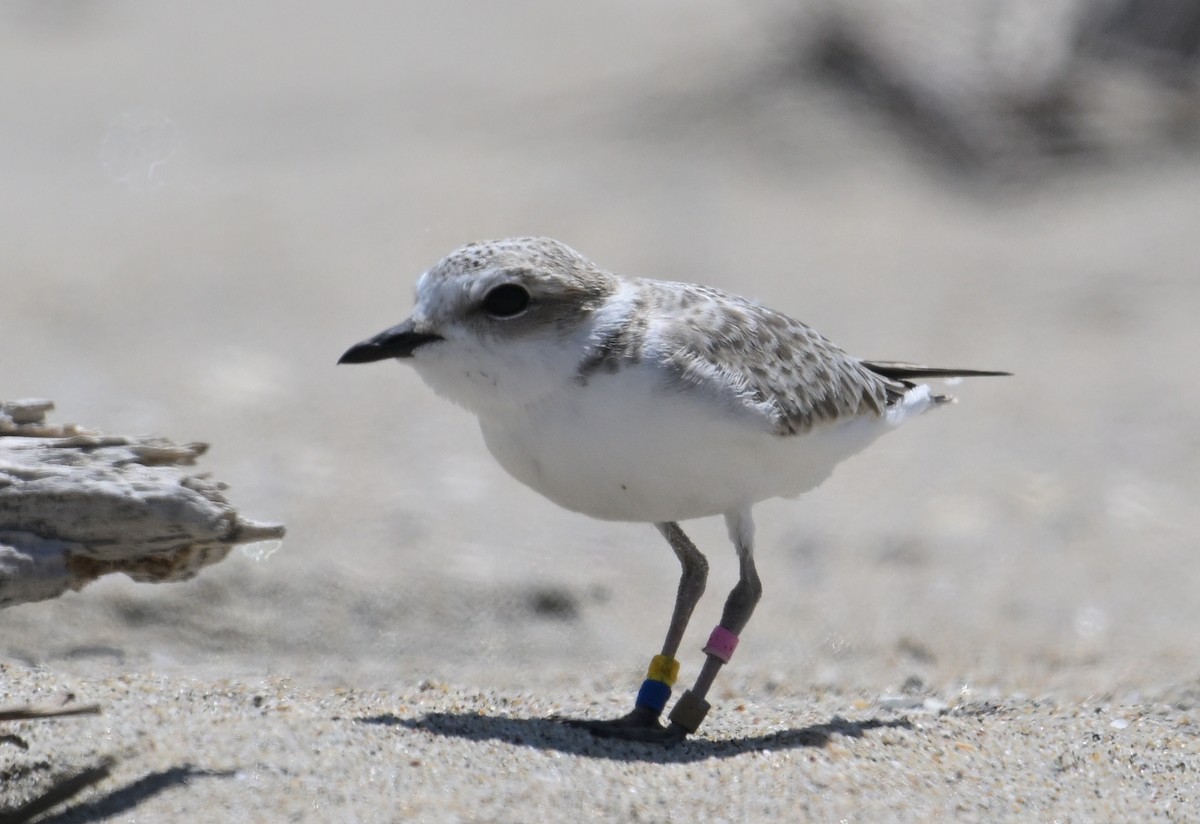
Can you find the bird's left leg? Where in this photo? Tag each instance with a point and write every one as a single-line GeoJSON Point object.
{"type": "Point", "coordinates": [641, 723]}
{"type": "Point", "coordinates": [689, 711]}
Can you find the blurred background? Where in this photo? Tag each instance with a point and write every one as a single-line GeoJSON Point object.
{"type": "Point", "coordinates": [201, 208]}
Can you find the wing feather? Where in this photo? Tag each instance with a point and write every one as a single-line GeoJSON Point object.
{"type": "Point", "coordinates": [761, 361]}
{"type": "Point", "coordinates": [756, 360]}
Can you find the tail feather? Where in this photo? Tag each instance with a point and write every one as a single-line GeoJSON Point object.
{"type": "Point", "coordinates": [899, 371]}
{"type": "Point", "coordinates": [901, 376]}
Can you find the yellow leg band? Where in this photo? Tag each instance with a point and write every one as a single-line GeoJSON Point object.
{"type": "Point", "coordinates": [663, 668]}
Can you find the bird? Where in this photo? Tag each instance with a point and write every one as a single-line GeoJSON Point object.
{"type": "Point", "coordinates": [640, 400]}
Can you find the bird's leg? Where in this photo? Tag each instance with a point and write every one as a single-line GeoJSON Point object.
{"type": "Point", "coordinates": [689, 711]}
{"type": "Point", "coordinates": [692, 579]}
{"type": "Point", "coordinates": [642, 723]}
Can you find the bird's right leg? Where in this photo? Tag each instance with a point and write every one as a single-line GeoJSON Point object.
{"type": "Point", "coordinates": [690, 709]}
{"type": "Point", "coordinates": [642, 724]}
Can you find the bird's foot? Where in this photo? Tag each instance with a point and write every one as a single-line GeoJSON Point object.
{"type": "Point", "coordinates": [641, 724]}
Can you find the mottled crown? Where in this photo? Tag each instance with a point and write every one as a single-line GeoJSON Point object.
{"type": "Point", "coordinates": [563, 284]}
{"type": "Point", "coordinates": [514, 253]}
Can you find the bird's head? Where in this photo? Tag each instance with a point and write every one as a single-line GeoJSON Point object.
{"type": "Point", "coordinates": [495, 322]}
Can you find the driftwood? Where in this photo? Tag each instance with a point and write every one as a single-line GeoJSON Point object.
{"type": "Point", "coordinates": [76, 504]}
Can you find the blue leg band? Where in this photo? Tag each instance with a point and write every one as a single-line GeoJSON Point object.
{"type": "Point", "coordinates": [653, 695]}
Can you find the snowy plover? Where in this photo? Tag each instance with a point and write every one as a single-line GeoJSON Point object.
{"type": "Point", "coordinates": [642, 400]}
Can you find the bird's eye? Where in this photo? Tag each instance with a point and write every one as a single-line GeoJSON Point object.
{"type": "Point", "coordinates": [506, 301]}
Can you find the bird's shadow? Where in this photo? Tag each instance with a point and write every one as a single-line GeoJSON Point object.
{"type": "Point", "coordinates": [553, 734]}
{"type": "Point", "coordinates": [123, 800]}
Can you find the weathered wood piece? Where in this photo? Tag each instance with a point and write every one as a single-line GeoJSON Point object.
{"type": "Point", "coordinates": [76, 504]}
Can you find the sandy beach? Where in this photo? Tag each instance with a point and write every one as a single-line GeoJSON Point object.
{"type": "Point", "coordinates": [270, 750]}
{"type": "Point", "coordinates": [991, 615]}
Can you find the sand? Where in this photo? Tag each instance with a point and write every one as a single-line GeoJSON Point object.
{"type": "Point", "coordinates": [989, 616]}
{"type": "Point", "coordinates": [271, 750]}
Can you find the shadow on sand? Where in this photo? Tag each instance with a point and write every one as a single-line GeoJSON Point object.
{"type": "Point", "coordinates": [125, 799]}
{"type": "Point", "coordinates": [553, 734]}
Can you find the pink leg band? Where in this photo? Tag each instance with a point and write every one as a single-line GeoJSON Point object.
{"type": "Point", "coordinates": [721, 643]}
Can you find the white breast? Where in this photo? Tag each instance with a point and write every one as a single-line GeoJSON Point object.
{"type": "Point", "coordinates": [629, 447]}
